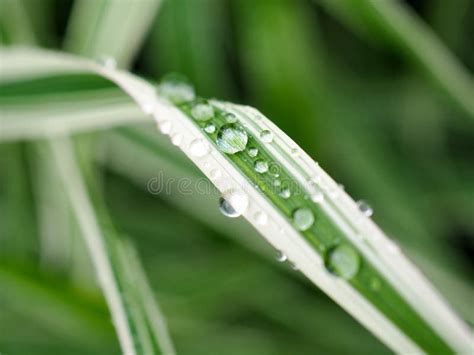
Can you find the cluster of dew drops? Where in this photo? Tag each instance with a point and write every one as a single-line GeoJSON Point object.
{"type": "Point", "coordinates": [342, 260]}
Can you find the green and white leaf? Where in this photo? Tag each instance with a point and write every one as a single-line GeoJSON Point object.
{"type": "Point", "coordinates": [380, 294]}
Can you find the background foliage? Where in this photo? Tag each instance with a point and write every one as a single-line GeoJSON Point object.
{"type": "Point", "coordinates": [349, 95]}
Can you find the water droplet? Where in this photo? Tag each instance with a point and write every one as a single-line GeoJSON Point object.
{"type": "Point", "coordinates": [199, 147]}
{"type": "Point", "coordinates": [215, 174]}
{"type": "Point", "coordinates": [210, 128]}
{"type": "Point", "coordinates": [315, 179]}
{"type": "Point", "coordinates": [392, 247]}
{"type": "Point", "coordinates": [281, 257]}
{"type": "Point", "coordinates": [334, 191]}
{"type": "Point", "coordinates": [231, 139]}
{"type": "Point", "coordinates": [293, 266]}
{"type": "Point", "coordinates": [233, 203]}
{"type": "Point", "coordinates": [286, 193]}
{"type": "Point", "coordinates": [165, 127]}
{"type": "Point", "coordinates": [266, 136]}
{"type": "Point", "coordinates": [277, 183]}
{"type": "Point", "coordinates": [365, 208]}
{"type": "Point", "coordinates": [148, 107]}
{"type": "Point", "coordinates": [375, 284]}
{"type": "Point", "coordinates": [261, 218]}
{"type": "Point", "coordinates": [343, 261]}
{"type": "Point", "coordinates": [202, 111]}
{"type": "Point", "coordinates": [303, 219]}
{"type": "Point", "coordinates": [230, 117]}
{"type": "Point", "coordinates": [317, 196]}
{"type": "Point", "coordinates": [294, 152]}
{"type": "Point", "coordinates": [177, 139]}
{"type": "Point", "coordinates": [176, 89]}
{"type": "Point", "coordinates": [253, 152]}
{"type": "Point", "coordinates": [261, 166]}
{"type": "Point", "coordinates": [108, 62]}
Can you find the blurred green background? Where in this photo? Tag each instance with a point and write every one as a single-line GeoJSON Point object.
{"type": "Point", "coordinates": [354, 99]}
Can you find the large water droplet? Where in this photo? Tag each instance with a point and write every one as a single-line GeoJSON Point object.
{"type": "Point", "coordinates": [303, 218]}
{"type": "Point", "coordinates": [343, 261]}
{"type": "Point", "coordinates": [231, 139]}
{"type": "Point", "coordinates": [253, 152]}
{"type": "Point", "coordinates": [233, 203]}
{"type": "Point", "coordinates": [266, 136]}
{"type": "Point", "coordinates": [281, 257]}
{"type": "Point", "coordinates": [202, 111]}
{"type": "Point", "coordinates": [261, 166]}
{"type": "Point", "coordinates": [365, 208]}
{"type": "Point", "coordinates": [176, 89]}
{"type": "Point", "coordinates": [199, 147]}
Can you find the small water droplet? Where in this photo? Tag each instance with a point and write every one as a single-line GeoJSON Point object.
{"type": "Point", "coordinates": [281, 257]}
{"type": "Point", "coordinates": [231, 139]}
{"type": "Point", "coordinates": [230, 117]}
{"type": "Point", "coordinates": [365, 208]}
{"type": "Point", "coordinates": [392, 247]}
{"type": "Point", "coordinates": [277, 183]}
{"type": "Point", "coordinates": [343, 261]}
{"type": "Point", "coordinates": [202, 111]}
{"type": "Point", "coordinates": [215, 174]}
{"type": "Point", "coordinates": [233, 203]}
{"type": "Point", "coordinates": [176, 88]}
{"type": "Point", "coordinates": [294, 152]}
{"type": "Point", "coordinates": [148, 107]}
{"type": "Point", "coordinates": [286, 193]}
{"type": "Point", "coordinates": [315, 179]}
{"type": "Point", "coordinates": [199, 147]}
{"type": "Point", "coordinates": [334, 192]}
{"type": "Point", "coordinates": [107, 62]}
{"type": "Point", "coordinates": [303, 219]}
{"type": "Point", "coordinates": [293, 265]}
{"type": "Point", "coordinates": [261, 218]}
{"type": "Point", "coordinates": [317, 196]}
{"type": "Point", "coordinates": [177, 139]}
{"type": "Point", "coordinates": [375, 284]}
{"type": "Point", "coordinates": [261, 166]}
{"type": "Point", "coordinates": [210, 128]}
{"type": "Point", "coordinates": [266, 136]}
{"type": "Point", "coordinates": [253, 152]}
{"type": "Point", "coordinates": [165, 127]}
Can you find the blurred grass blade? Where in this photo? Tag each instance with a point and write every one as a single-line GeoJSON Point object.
{"type": "Point", "coordinates": [60, 113]}
{"type": "Point", "coordinates": [305, 215]}
{"type": "Point", "coordinates": [55, 306]}
{"type": "Point", "coordinates": [116, 28]}
{"type": "Point", "coordinates": [108, 255]}
{"type": "Point", "coordinates": [400, 27]}
{"type": "Point", "coordinates": [15, 27]}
